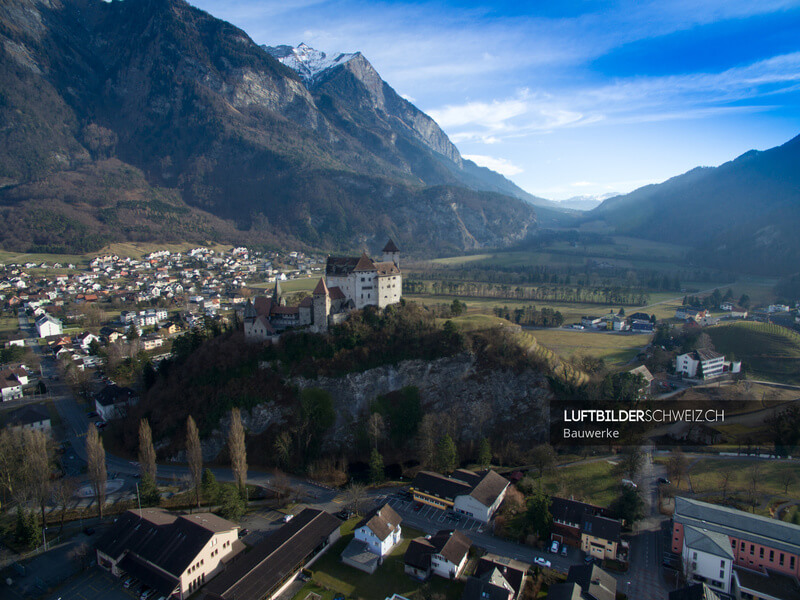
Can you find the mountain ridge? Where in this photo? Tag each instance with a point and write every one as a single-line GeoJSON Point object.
{"type": "Point", "coordinates": [197, 107]}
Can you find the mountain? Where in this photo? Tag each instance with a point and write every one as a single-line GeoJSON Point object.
{"type": "Point", "coordinates": [585, 202]}
{"type": "Point", "coordinates": [191, 113]}
{"type": "Point", "coordinates": [349, 84]}
{"type": "Point", "coordinates": [743, 215]}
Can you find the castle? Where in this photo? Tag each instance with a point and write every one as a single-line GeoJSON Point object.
{"type": "Point", "coordinates": [350, 283]}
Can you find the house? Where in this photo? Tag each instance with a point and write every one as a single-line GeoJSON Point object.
{"type": "Point", "coordinates": [174, 555]}
{"type": "Point", "coordinates": [647, 380]}
{"type": "Point", "coordinates": [702, 363]}
{"type": "Point", "coordinates": [727, 547]}
{"type": "Point", "coordinates": [151, 341]}
{"type": "Point", "coordinates": [585, 582]}
{"type": "Point", "coordinates": [272, 565]}
{"type": "Point", "coordinates": [690, 312]}
{"type": "Point", "coordinates": [639, 326]}
{"type": "Point", "coordinates": [33, 416]}
{"type": "Point", "coordinates": [444, 554]}
{"type": "Point", "coordinates": [112, 401]}
{"type": "Point", "coordinates": [374, 537]}
{"type": "Point", "coordinates": [111, 334]}
{"type": "Point", "coordinates": [591, 321]}
{"type": "Point", "coordinates": [600, 537]}
{"type": "Point", "coordinates": [569, 517]}
{"type": "Point", "coordinates": [48, 325]}
{"type": "Point", "coordinates": [10, 386]}
{"type": "Point", "coordinates": [477, 495]}
{"type": "Point", "coordinates": [496, 578]}
{"type": "Point", "coordinates": [84, 340]}
{"type": "Point", "coordinates": [695, 591]}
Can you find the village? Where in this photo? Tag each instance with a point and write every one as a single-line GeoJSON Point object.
{"type": "Point", "coordinates": [73, 328]}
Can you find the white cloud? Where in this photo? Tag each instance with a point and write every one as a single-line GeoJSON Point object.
{"type": "Point", "coordinates": [500, 165]}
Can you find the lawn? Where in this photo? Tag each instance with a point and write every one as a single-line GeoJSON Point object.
{"type": "Point", "coordinates": [9, 325]}
{"type": "Point", "coordinates": [303, 284]}
{"type": "Point", "coordinates": [767, 351]}
{"type": "Point", "coordinates": [595, 482]}
{"type": "Point", "coordinates": [705, 476]}
{"type": "Point", "coordinates": [613, 347]}
{"type": "Point", "coordinates": [330, 576]}
{"type": "Point", "coordinates": [475, 322]}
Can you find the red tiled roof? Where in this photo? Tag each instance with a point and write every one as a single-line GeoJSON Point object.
{"type": "Point", "coordinates": [390, 247]}
{"type": "Point", "coordinates": [321, 289]}
{"type": "Point", "coordinates": [364, 263]}
{"type": "Point", "coordinates": [336, 293]}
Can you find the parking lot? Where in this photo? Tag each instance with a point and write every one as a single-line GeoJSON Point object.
{"type": "Point", "coordinates": [94, 584]}
{"type": "Point", "coordinates": [443, 519]}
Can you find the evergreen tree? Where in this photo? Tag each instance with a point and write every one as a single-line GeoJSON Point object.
{"type": "Point", "coordinates": [485, 453]}
{"type": "Point", "coordinates": [629, 506]}
{"type": "Point", "coordinates": [209, 486]}
{"type": "Point", "coordinates": [376, 472]}
{"type": "Point", "coordinates": [148, 491]}
{"type": "Point", "coordinates": [539, 519]}
{"type": "Point", "coordinates": [232, 505]}
{"type": "Point", "coordinates": [446, 454]}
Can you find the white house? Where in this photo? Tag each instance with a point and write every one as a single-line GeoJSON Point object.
{"type": "Point", "coordinates": [477, 495]}
{"type": "Point", "coordinates": [374, 537]}
{"type": "Point", "coordinates": [380, 530]}
{"type": "Point", "coordinates": [85, 340]}
{"type": "Point", "coordinates": [33, 417]}
{"type": "Point", "coordinates": [11, 389]}
{"type": "Point", "coordinates": [444, 554]}
{"type": "Point", "coordinates": [707, 557]}
{"type": "Point", "coordinates": [711, 363]}
{"type": "Point", "coordinates": [112, 402]}
{"type": "Point", "coordinates": [48, 325]}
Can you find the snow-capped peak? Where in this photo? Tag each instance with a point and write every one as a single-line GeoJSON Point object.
{"type": "Point", "coordinates": [306, 61]}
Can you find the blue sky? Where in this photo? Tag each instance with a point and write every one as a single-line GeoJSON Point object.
{"type": "Point", "coordinates": [570, 98]}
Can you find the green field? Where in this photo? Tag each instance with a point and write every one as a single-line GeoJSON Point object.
{"type": "Point", "coordinates": [767, 351]}
{"type": "Point", "coordinates": [331, 577]}
{"type": "Point", "coordinates": [613, 347]}
{"type": "Point", "coordinates": [595, 482]}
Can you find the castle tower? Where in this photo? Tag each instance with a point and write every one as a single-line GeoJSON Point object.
{"type": "Point", "coordinates": [391, 253]}
{"type": "Point", "coordinates": [277, 294]}
{"type": "Point", "coordinates": [321, 307]}
{"type": "Point", "coordinates": [250, 316]}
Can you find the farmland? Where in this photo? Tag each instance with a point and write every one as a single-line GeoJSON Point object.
{"type": "Point", "coordinates": [612, 347]}
{"type": "Point", "coordinates": [769, 352]}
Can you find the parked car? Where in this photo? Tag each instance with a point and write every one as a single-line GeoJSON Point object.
{"type": "Point", "coordinates": [554, 547]}
{"type": "Point", "coordinates": [563, 549]}
{"type": "Point", "coordinates": [146, 594]}
{"type": "Point", "coordinates": [664, 480]}
{"type": "Point", "coordinates": [629, 483]}
{"type": "Point", "coordinates": [88, 531]}
{"type": "Point", "coordinates": [287, 518]}
{"type": "Point", "coordinates": [243, 532]}
{"type": "Point", "coordinates": [588, 558]}
{"type": "Point", "coordinates": [128, 582]}
{"type": "Point", "coordinates": [100, 424]}
{"type": "Point", "coordinates": [542, 562]}
{"type": "Point", "coordinates": [93, 415]}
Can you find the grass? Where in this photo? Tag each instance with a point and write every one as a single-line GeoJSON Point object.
{"type": "Point", "coordinates": [475, 322]}
{"type": "Point", "coordinates": [9, 325]}
{"type": "Point", "coordinates": [613, 347]}
{"type": "Point", "coordinates": [705, 477]}
{"type": "Point", "coordinates": [331, 577]}
{"type": "Point", "coordinates": [595, 482]}
{"type": "Point", "coordinates": [767, 351]}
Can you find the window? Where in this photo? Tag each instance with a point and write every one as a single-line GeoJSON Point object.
{"type": "Point", "coordinates": [722, 564]}
{"type": "Point", "coordinates": [752, 549]}
{"type": "Point", "coordinates": [761, 552]}
{"type": "Point", "coordinates": [722, 574]}
{"type": "Point", "coordinates": [772, 556]}
{"type": "Point", "coordinates": [791, 562]}
{"type": "Point", "coordinates": [780, 559]}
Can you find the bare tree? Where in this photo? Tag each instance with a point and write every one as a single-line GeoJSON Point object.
{"type": "Point", "coordinates": [96, 468]}
{"type": "Point", "coordinates": [755, 477]}
{"type": "Point", "coordinates": [237, 450]}
{"type": "Point", "coordinates": [147, 453]}
{"type": "Point", "coordinates": [283, 448]}
{"type": "Point", "coordinates": [631, 460]}
{"type": "Point", "coordinates": [725, 475]}
{"type": "Point", "coordinates": [63, 491]}
{"type": "Point", "coordinates": [37, 464]}
{"type": "Point", "coordinates": [543, 457]}
{"type": "Point", "coordinates": [11, 454]}
{"type": "Point", "coordinates": [354, 496]}
{"type": "Point", "coordinates": [787, 478]}
{"type": "Point", "coordinates": [375, 427]}
{"type": "Point", "coordinates": [677, 466]}
{"type": "Point", "coordinates": [194, 456]}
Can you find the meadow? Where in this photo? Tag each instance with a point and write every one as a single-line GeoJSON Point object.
{"type": "Point", "coordinates": [768, 352]}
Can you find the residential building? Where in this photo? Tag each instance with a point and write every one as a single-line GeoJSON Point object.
{"type": "Point", "coordinates": [690, 312]}
{"type": "Point", "coordinates": [496, 578]}
{"type": "Point", "coordinates": [647, 380]}
{"type": "Point", "coordinates": [10, 385]}
{"type": "Point", "coordinates": [477, 495]}
{"type": "Point", "coordinates": [736, 543]}
{"type": "Point", "coordinates": [33, 416]}
{"type": "Point", "coordinates": [174, 555]}
{"type": "Point", "coordinates": [112, 401]}
{"type": "Point", "coordinates": [694, 591]}
{"type": "Point", "coordinates": [270, 566]}
{"type": "Point", "coordinates": [48, 325]}
{"type": "Point", "coordinates": [585, 582]}
{"type": "Point", "coordinates": [710, 364]}
{"type": "Point", "coordinates": [765, 584]}
{"type": "Point", "coordinates": [444, 554]}
{"type": "Point", "coordinates": [600, 537]}
{"type": "Point", "coordinates": [374, 537]}
{"type": "Point", "coordinates": [639, 326]}
{"type": "Point", "coordinates": [569, 517]}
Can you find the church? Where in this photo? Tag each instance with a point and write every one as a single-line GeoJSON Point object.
{"type": "Point", "coordinates": [350, 283]}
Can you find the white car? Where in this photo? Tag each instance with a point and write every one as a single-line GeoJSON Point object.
{"type": "Point", "coordinates": [287, 518]}
{"type": "Point", "coordinates": [542, 562]}
{"type": "Point", "coordinates": [554, 547]}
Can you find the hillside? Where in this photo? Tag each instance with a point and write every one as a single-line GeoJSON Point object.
{"type": "Point", "coordinates": [742, 215]}
{"type": "Point", "coordinates": [767, 351]}
{"type": "Point", "coordinates": [213, 120]}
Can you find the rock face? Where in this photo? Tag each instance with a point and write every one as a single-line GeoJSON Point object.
{"type": "Point", "coordinates": [479, 402]}
{"type": "Point", "coordinates": [516, 402]}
